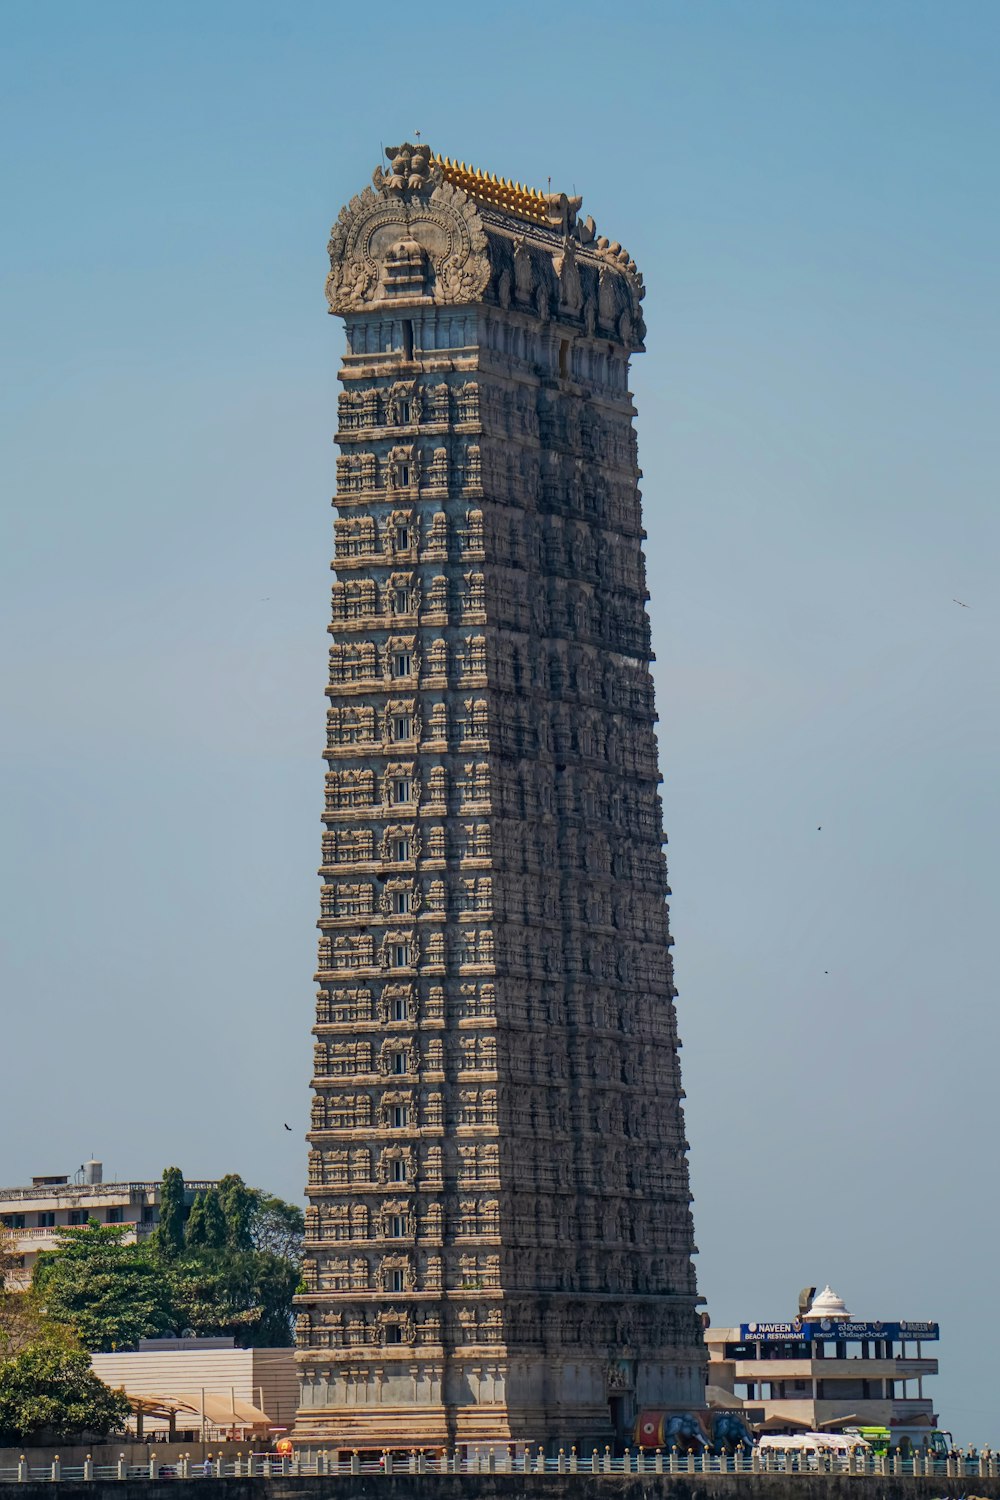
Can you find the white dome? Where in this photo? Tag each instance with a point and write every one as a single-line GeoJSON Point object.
{"type": "Point", "coordinates": [828, 1305]}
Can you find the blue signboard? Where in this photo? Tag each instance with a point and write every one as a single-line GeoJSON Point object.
{"type": "Point", "coordinates": [756, 1333]}
{"type": "Point", "coordinates": [836, 1332]}
{"type": "Point", "coordinates": [852, 1332]}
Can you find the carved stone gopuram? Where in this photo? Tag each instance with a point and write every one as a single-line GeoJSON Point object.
{"type": "Point", "coordinates": [499, 1238]}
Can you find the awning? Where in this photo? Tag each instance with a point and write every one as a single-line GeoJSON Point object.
{"type": "Point", "coordinates": [224, 1410]}
{"type": "Point", "coordinates": [715, 1396]}
{"type": "Point", "coordinates": [779, 1419]}
{"type": "Point", "coordinates": [150, 1405]}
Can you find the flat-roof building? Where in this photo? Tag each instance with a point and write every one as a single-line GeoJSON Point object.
{"type": "Point", "coordinates": [35, 1212]}
{"type": "Point", "coordinates": [824, 1370]}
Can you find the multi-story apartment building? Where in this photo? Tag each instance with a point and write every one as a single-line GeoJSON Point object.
{"type": "Point", "coordinates": [34, 1213]}
{"type": "Point", "coordinates": [825, 1371]}
{"type": "Point", "coordinates": [499, 1238]}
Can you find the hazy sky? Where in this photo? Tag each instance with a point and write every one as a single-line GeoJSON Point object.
{"type": "Point", "coordinates": [811, 192]}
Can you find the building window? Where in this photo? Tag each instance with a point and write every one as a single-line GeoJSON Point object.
{"type": "Point", "coordinates": [402, 791]}
{"type": "Point", "coordinates": [393, 1334]}
{"type": "Point", "coordinates": [404, 412]}
{"type": "Point", "coordinates": [404, 474]}
{"type": "Point", "coordinates": [396, 1282]}
{"type": "Point", "coordinates": [78, 1216]}
{"type": "Point", "coordinates": [46, 1220]}
{"type": "Point", "coordinates": [403, 903]}
{"type": "Point", "coordinates": [397, 1226]}
{"type": "Point", "coordinates": [401, 601]}
{"type": "Point", "coordinates": [403, 536]}
{"type": "Point", "coordinates": [400, 960]}
{"type": "Point", "coordinates": [407, 339]}
{"type": "Point", "coordinates": [402, 849]}
{"type": "Point", "coordinates": [399, 1059]}
{"type": "Point", "coordinates": [402, 664]}
{"type": "Point", "coordinates": [399, 1004]}
{"type": "Point", "coordinates": [400, 1116]}
{"type": "Point", "coordinates": [399, 1169]}
{"type": "Point", "coordinates": [402, 727]}
{"type": "Point", "coordinates": [115, 1215]}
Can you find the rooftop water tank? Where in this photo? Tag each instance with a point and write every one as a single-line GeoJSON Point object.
{"type": "Point", "coordinates": [93, 1172]}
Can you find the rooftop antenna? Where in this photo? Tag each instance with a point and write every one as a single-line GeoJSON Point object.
{"type": "Point", "coordinates": [417, 134]}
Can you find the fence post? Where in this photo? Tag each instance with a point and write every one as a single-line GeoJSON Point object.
{"type": "Point", "coordinates": [22, 1470]}
{"type": "Point", "coordinates": [56, 1470]}
{"type": "Point", "coordinates": [88, 1467]}
{"type": "Point", "coordinates": [690, 1463]}
{"type": "Point", "coordinates": [422, 1462]}
{"type": "Point", "coordinates": [355, 1462]}
{"type": "Point", "coordinates": [122, 1467]}
{"type": "Point", "coordinates": [152, 1463]}
{"type": "Point", "coordinates": [658, 1462]}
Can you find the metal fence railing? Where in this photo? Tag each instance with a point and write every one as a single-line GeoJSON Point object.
{"type": "Point", "coordinates": [985, 1465]}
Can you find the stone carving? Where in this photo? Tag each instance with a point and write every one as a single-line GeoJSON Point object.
{"type": "Point", "coordinates": [412, 235]}
{"type": "Point", "coordinates": [570, 290]}
{"type": "Point", "coordinates": [409, 169]}
{"type": "Point", "coordinates": [524, 275]}
{"type": "Point", "coordinates": [497, 1139]}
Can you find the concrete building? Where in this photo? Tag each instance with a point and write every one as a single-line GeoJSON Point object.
{"type": "Point", "coordinates": [211, 1377]}
{"type": "Point", "coordinates": [34, 1213]}
{"type": "Point", "coordinates": [499, 1242]}
{"type": "Point", "coordinates": [824, 1371]}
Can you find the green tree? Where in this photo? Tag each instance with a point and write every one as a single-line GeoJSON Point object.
{"type": "Point", "coordinates": [277, 1227]}
{"type": "Point", "coordinates": [173, 1212]}
{"type": "Point", "coordinates": [206, 1226]}
{"type": "Point", "coordinates": [10, 1254]}
{"type": "Point", "coordinates": [24, 1324]}
{"type": "Point", "coordinates": [238, 1203]}
{"type": "Point", "coordinates": [51, 1394]}
{"type": "Point", "coordinates": [111, 1293]}
{"type": "Point", "coordinates": [244, 1294]}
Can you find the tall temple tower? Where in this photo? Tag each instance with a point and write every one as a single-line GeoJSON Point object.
{"type": "Point", "coordinates": [499, 1240]}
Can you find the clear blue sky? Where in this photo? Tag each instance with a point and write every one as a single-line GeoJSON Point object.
{"type": "Point", "coordinates": [811, 191]}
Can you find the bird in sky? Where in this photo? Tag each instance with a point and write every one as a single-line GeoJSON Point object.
{"type": "Point", "coordinates": [820, 828]}
{"type": "Point", "coordinates": [959, 601]}
{"type": "Point", "coordinates": [288, 1127]}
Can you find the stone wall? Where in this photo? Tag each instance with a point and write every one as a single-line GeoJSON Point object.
{"type": "Point", "coordinates": [534, 1487]}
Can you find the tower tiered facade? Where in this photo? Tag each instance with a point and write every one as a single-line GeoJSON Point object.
{"type": "Point", "coordinates": [499, 1240]}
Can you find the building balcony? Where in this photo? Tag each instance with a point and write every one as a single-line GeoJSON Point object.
{"type": "Point", "coordinates": [45, 1238]}
{"type": "Point", "coordinates": [830, 1369]}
